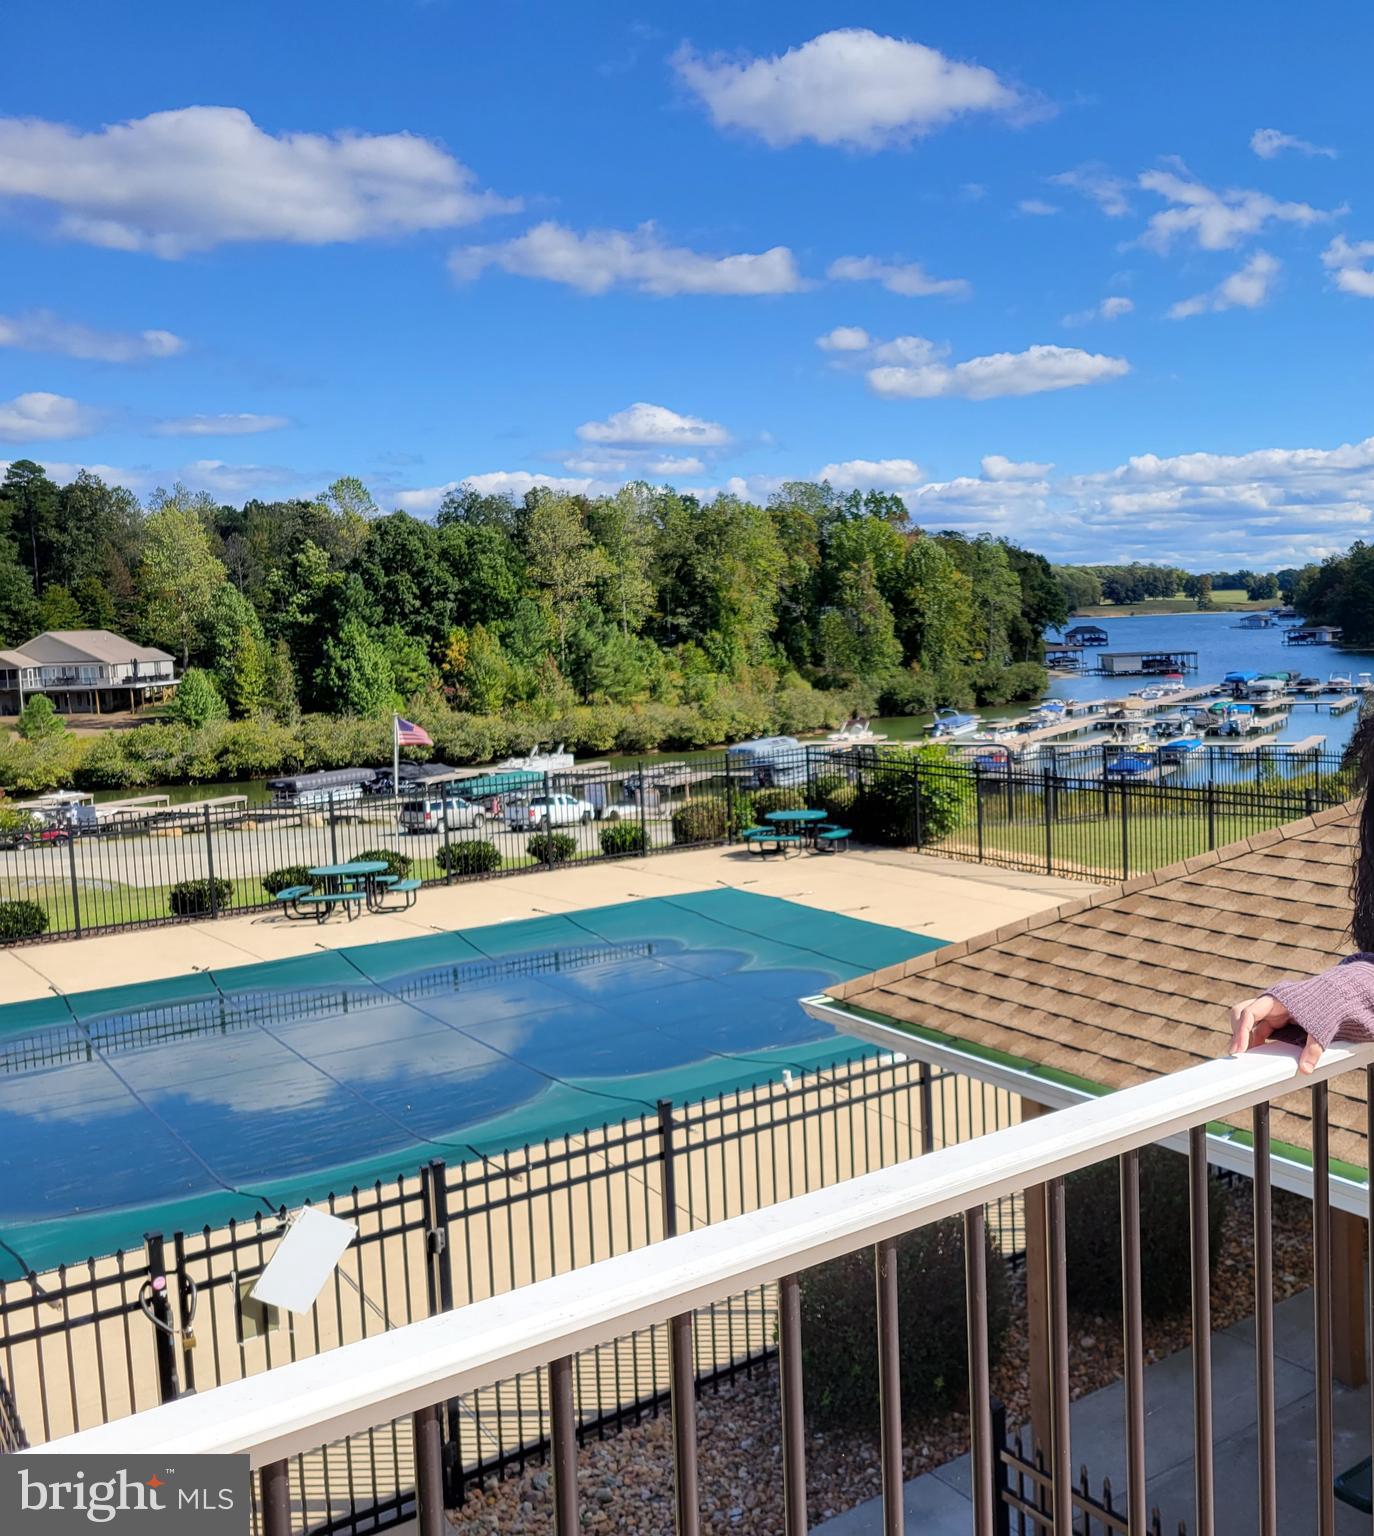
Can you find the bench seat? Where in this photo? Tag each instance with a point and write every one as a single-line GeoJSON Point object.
{"type": "Point", "coordinates": [293, 893]}
{"type": "Point", "coordinates": [320, 898]}
{"type": "Point", "coordinates": [830, 838]}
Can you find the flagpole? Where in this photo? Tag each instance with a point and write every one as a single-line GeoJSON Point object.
{"type": "Point", "coordinates": [396, 756]}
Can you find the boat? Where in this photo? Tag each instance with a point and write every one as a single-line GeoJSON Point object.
{"type": "Point", "coordinates": [1231, 719]}
{"type": "Point", "coordinates": [853, 733]}
{"type": "Point", "coordinates": [1169, 726]}
{"type": "Point", "coordinates": [1308, 682]}
{"type": "Point", "coordinates": [537, 760]}
{"type": "Point", "coordinates": [1128, 733]}
{"type": "Point", "coordinates": [1181, 746]}
{"type": "Point", "coordinates": [1265, 688]}
{"type": "Point", "coordinates": [1154, 691]}
{"type": "Point", "coordinates": [1340, 680]}
{"type": "Point", "coordinates": [948, 723]}
{"type": "Point", "coordinates": [1129, 766]}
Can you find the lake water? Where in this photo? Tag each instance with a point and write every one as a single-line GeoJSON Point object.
{"type": "Point", "coordinates": [1222, 647]}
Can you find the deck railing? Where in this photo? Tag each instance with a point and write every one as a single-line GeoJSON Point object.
{"type": "Point", "coordinates": [542, 1327]}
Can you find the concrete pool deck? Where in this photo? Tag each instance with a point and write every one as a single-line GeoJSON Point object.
{"type": "Point", "coordinates": [939, 898]}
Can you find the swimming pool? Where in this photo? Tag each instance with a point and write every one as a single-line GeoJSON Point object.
{"type": "Point", "coordinates": [183, 1102]}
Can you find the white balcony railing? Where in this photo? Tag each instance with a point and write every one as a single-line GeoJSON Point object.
{"type": "Point", "coordinates": [299, 1407]}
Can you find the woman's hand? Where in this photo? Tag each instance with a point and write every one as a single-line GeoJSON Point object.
{"type": "Point", "coordinates": [1252, 1023]}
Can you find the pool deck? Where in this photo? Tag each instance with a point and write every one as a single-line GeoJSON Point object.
{"type": "Point", "coordinates": [940, 898]}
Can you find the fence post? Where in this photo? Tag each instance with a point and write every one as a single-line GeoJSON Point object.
{"type": "Point", "coordinates": [1001, 1510]}
{"type": "Point", "coordinates": [333, 831]}
{"type": "Point", "coordinates": [978, 813]}
{"type": "Point", "coordinates": [917, 829]}
{"type": "Point", "coordinates": [927, 1109]}
{"type": "Point", "coordinates": [1047, 800]}
{"type": "Point", "coordinates": [642, 797]}
{"type": "Point", "coordinates": [548, 821]}
{"type": "Point", "coordinates": [158, 1310]}
{"type": "Point", "coordinates": [439, 1293]}
{"type": "Point", "coordinates": [210, 861]}
{"type": "Point", "coordinates": [1211, 814]}
{"type": "Point", "coordinates": [731, 803]}
{"type": "Point", "coordinates": [1309, 801]}
{"type": "Point", "coordinates": [76, 887]}
{"type": "Point", "coordinates": [1125, 829]}
{"type": "Point", "coordinates": [669, 1187]}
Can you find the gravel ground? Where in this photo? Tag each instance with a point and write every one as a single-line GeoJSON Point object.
{"type": "Point", "coordinates": [626, 1482]}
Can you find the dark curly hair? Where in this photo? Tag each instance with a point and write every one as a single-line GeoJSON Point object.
{"type": "Point", "coordinates": [1360, 755]}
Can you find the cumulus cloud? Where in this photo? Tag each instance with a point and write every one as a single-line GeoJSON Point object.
{"type": "Point", "coordinates": [1268, 142]}
{"type": "Point", "coordinates": [1350, 263]}
{"type": "Point", "coordinates": [603, 259]}
{"type": "Point", "coordinates": [1037, 207]}
{"type": "Point", "coordinates": [1217, 221]}
{"type": "Point", "coordinates": [845, 338]}
{"type": "Point", "coordinates": [198, 177]}
{"type": "Point", "coordinates": [996, 467]}
{"type": "Point", "coordinates": [1249, 288]}
{"type": "Point", "coordinates": [40, 330]}
{"type": "Point", "coordinates": [497, 482]}
{"type": "Point", "coordinates": [224, 424]}
{"type": "Point", "coordinates": [1095, 182]}
{"type": "Point", "coordinates": [644, 425]}
{"type": "Point", "coordinates": [872, 474]}
{"type": "Point", "coordinates": [1038, 369]}
{"type": "Point", "coordinates": [1111, 308]}
{"type": "Point", "coordinates": [909, 278]}
{"type": "Point", "coordinates": [851, 86]}
{"type": "Point", "coordinates": [39, 417]}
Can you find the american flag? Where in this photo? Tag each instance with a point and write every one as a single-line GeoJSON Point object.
{"type": "Point", "coordinates": [408, 734]}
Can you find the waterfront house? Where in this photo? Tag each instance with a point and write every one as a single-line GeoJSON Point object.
{"type": "Point", "coordinates": [85, 671]}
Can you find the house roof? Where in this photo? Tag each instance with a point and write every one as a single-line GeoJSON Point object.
{"type": "Point", "coordinates": [1136, 980]}
{"type": "Point", "coordinates": [55, 646]}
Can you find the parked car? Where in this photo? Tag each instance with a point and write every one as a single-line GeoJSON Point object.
{"type": "Point", "coordinates": [548, 811]}
{"type": "Point", "coordinates": [436, 814]}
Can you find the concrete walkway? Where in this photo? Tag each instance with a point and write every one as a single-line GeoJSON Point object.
{"type": "Point", "coordinates": [939, 897]}
{"type": "Point", "coordinates": [938, 1503]}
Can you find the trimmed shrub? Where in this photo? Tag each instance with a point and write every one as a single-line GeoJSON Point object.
{"type": "Point", "coordinates": [839, 1325]}
{"type": "Point", "coordinates": [885, 809]}
{"type": "Point", "coordinates": [1092, 1233]}
{"type": "Point", "coordinates": [289, 874]}
{"type": "Point", "coordinates": [838, 805]}
{"type": "Point", "coordinates": [624, 837]}
{"type": "Point", "coordinates": [21, 920]}
{"type": "Point", "coordinates": [823, 786]}
{"type": "Point", "coordinates": [712, 818]}
{"type": "Point", "coordinates": [551, 847]}
{"type": "Point", "coordinates": [397, 864]}
{"type": "Point", "coordinates": [199, 898]}
{"type": "Point", "coordinates": [768, 800]}
{"type": "Point", "coordinates": [470, 858]}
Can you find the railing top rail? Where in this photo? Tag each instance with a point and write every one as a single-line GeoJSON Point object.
{"type": "Point", "coordinates": [298, 1407]}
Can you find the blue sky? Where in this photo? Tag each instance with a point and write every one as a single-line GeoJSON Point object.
{"type": "Point", "coordinates": [1104, 284]}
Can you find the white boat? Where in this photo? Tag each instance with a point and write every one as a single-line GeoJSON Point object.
{"type": "Point", "coordinates": [1154, 691]}
{"type": "Point", "coordinates": [537, 760]}
{"type": "Point", "coordinates": [1264, 688]}
{"type": "Point", "coordinates": [854, 733]}
{"type": "Point", "coordinates": [1341, 680]}
{"type": "Point", "coordinates": [952, 722]}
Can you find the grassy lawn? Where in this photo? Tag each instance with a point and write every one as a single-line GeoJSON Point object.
{"type": "Point", "coordinates": [1225, 600]}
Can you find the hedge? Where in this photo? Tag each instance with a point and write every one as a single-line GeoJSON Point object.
{"type": "Point", "coordinates": [21, 920]}
{"type": "Point", "coordinates": [288, 875]}
{"type": "Point", "coordinates": [624, 837]}
{"type": "Point", "coordinates": [194, 898]}
{"type": "Point", "coordinates": [397, 864]}
{"type": "Point", "coordinates": [712, 818]}
{"type": "Point", "coordinates": [551, 847]}
{"type": "Point", "coordinates": [766, 801]}
{"type": "Point", "coordinates": [469, 858]}
{"type": "Point", "coordinates": [839, 1326]}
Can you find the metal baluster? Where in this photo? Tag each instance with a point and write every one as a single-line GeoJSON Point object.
{"type": "Point", "coordinates": [1061, 1463]}
{"type": "Point", "coordinates": [276, 1499]}
{"type": "Point", "coordinates": [1321, 1268]}
{"type": "Point", "coordinates": [979, 1384]}
{"type": "Point", "coordinates": [563, 1433]}
{"type": "Point", "coordinates": [889, 1385]}
{"type": "Point", "coordinates": [1133, 1342]}
{"type": "Point", "coordinates": [793, 1408]}
{"type": "Point", "coordinates": [1264, 1327]}
{"type": "Point", "coordinates": [1204, 1512]}
{"type": "Point", "coordinates": [683, 1394]}
{"type": "Point", "coordinates": [429, 1471]}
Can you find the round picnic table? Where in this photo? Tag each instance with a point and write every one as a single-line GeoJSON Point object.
{"type": "Point", "coordinates": [339, 877]}
{"type": "Point", "coordinates": [806, 822]}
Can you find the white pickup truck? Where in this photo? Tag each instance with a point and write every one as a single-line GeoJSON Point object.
{"type": "Point", "coordinates": [548, 811]}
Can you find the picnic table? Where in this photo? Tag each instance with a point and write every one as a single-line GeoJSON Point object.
{"type": "Point", "coordinates": [349, 885]}
{"type": "Point", "coordinates": [805, 822]}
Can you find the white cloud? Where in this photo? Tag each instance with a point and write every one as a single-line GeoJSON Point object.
{"type": "Point", "coordinates": [872, 474]}
{"type": "Point", "coordinates": [845, 338]}
{"type": "Point", "coordinates": [39, 417]}
{"type": "Point", "coordinates": [1099, 185]}
{"type": "Point", "coordinates": [40, 330]}
{"type": "Point", "coordinates": [1351, 264]}
{"type": "Point", "coordinates": [851, 86]}
{"type": "Point", "coordinates": [511, 482]}
{"type": "Point", "coordinates": [603, 259]}
{"type": "Point", "coordinates": [674, 465]}
{"type": "Point", "coordinates": [1036, 207]}
{"type": "Point", "coordinates": [1248, 288]}
{"type": "Point", "coordinates": [996, 467]}
{"type": "Point", "coordinates": [1268, 142]}
{"type": "Point", "coordinates": [1111, 308]}
{"type": "Point", "coordinates": [1217, 221]}
{"type": "Point", "coordinates": [1031, 372]}
{"type": "Point", "coordinates": [224, 424]}
{"type": "Point", "coordinates": [907, 278]}
{"type": "Point", "coordinates": [644, 425]}
{"type": "Point", "coordinates": [198, 177]}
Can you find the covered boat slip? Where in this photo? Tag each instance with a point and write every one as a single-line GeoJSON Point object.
{"type": "Point", "coordinates": [201, 1097]}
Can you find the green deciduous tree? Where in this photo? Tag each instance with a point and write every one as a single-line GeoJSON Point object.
{"type": "Point", "coordinates": [197, 700]}
{"type": "Point", "coordinates": [565, 563]}
{"type": "Point", "coordinates": [178, 576]}
{"type": "Point", "coordinates": [354, 676]}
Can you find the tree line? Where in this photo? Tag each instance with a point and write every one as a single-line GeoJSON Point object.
{"type": "Point", "coordinates": [1086, 586]}
{"type": "Point", "coordinates": [504, 607]}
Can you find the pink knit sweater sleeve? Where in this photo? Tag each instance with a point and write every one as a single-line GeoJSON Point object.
{"type": "Point", "coordinates": [1336, 1006]}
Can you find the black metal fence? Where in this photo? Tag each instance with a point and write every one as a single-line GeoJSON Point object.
{"type": "Point", "coordinates": [1025, 1487]}
{"type": "Point", "coordinates": [109, 1336]}
{"type": "Point", "coordinates": [1100, 812]}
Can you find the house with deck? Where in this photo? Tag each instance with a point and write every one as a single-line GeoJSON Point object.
{"type": "Point", "coordinates": [85, 671]}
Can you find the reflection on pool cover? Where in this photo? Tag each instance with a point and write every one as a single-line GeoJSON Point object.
{"type": "Point", "coordinates": [216, 1095]}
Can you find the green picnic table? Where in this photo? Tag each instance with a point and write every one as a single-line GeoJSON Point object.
{"type": "Point", "coordinates": [349, 885]}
